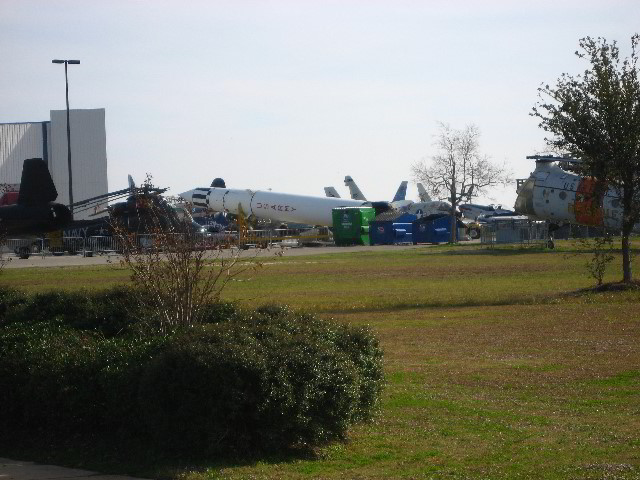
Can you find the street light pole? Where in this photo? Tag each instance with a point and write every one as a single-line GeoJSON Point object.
{"type": "Point", "coordinates": [66, 80]}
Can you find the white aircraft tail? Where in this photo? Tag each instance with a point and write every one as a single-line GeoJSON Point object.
{"type": "Point", "coordinates": [422, 193]}
{"type": "Point", "coordinates": [331, 192]}
{"type": "Point", "coordinates": [356, 194]}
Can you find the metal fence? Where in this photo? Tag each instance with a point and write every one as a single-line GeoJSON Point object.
{"type": "Point", "coordinates": [64, 245]}
{"type": "Point", "coordinates": [292, 237]}
{"type": "Point", "coordinates": [525, 232]}
{"type": "Point", "coordinates": [107, 244]}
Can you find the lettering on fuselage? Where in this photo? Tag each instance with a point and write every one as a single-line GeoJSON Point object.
{"type": "Point", "coordinates": [83, 232]}
{"type": "Point", "coordinates": [277, 208]}
{"type": "Point", "coordinates": [76, 232]}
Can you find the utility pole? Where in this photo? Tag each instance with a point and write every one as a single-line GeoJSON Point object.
{"type": "Point", "coordinates": [66, 79]}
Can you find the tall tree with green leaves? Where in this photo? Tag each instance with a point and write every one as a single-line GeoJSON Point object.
{"type": "Point", "coordinates": [595, 116]}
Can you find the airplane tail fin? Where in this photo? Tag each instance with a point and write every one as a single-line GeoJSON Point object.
{"type": "Point", "coordinates": [356, 194]}
{"type": "Point", "coordinates": [36, 186]}
{"type": "Point", "coordinates": [422, 193]}
{"type": "Point", "coordinates": [331, 192]}
{"type": "Point", "coordinates": [132, 184]}
{"type": "Point", "coordinates": [401, 194]}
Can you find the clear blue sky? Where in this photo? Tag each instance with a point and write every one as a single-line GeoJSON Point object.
{"type": "Point", "coordinates": [294, 95]}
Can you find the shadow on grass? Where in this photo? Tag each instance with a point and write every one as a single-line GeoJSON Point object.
{"type": "Point", "coordinates": [401, 306]}
{"type": "Point", "coordinates": [633, 286]}
{"type": "Point", "coordinates": [504, 251]}
{"type": "Point", "coordinates": [126, 456]}
{"type": "Point", "coordinates": [497, 252]}
{"type": "Point", "coordinates": [532, 299]}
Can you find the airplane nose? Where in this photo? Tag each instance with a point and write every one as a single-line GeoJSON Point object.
{"type": "Point", "coordinates": [188, 195]}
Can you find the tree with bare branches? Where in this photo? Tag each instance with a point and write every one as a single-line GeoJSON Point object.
{"type": "Point", "coordinates": [178, 268]}
{"type": "Point", "coordinates": [458, 171]}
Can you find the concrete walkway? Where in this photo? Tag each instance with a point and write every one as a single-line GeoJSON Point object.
{"type": "Point", "coordinates": [16, 470]}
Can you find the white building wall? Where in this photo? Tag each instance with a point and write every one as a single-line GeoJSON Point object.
{"type": "Point", "coordinates": [19, 141]}
{"type": "Point", "coordinates": [88, 155]}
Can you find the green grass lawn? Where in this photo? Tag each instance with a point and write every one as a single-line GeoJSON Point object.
{"type": "Point", "coordinates": [495, 366]}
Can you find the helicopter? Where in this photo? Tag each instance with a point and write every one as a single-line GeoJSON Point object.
{"type": "Point", "coordinates": [556, 192]}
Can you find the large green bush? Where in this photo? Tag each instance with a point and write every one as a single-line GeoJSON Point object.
{"type": "Point", "coordinates": [109, 312]}
{"type": "Point", "coordinates": [63, 380]}
{"type": "Point", "coordinates": [10, 300]}
{"type": "Point", "coordinates": [88, 363]}
{"type": "Point", "coordinates": [267, 380]}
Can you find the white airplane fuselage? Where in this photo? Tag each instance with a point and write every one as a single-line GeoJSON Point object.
{"type": "Point", "coordinates": [553, 194]}
{"type": "Point", "coordinates": [281, 207]}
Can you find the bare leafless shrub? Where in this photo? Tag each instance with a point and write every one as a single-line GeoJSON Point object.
{"type": "Point", "coordinates": [178, 268]}
{"type": "Point", "coordinates": [602, 248]}
{"type": "Point", "coordinates": [602, 255]}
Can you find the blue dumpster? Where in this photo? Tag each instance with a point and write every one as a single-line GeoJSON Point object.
{"type": "Point", "coordinates": [391, 227]}
{"type": "Point", "coordinates": [433, 229]}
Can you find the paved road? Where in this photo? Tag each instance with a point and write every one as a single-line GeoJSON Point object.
{"type": "Point", "coordinates": [17, 470]}
{"type": "Point", "coordinates": [79, 260]}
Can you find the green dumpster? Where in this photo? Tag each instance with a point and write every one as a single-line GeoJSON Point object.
{"type": "Point", "coordinates": [351, 225]}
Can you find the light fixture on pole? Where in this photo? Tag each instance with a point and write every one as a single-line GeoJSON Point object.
{"type": "Point", "coordinates": [66, 79]}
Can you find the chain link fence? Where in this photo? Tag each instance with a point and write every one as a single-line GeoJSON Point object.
{"type": "Point", "coordinates": [524, 232]}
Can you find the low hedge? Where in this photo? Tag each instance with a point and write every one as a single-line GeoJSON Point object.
{"type": "Point", "coordinates": [263, 380]}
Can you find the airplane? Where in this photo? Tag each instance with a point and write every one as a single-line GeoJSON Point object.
{"type": "Point", "coordinates": [500, 217]}
{"type": "Point", "coordinates": [274, 206]}
{"type": "Point", "coordinates": [398, 201]}
{"type": "Point", "coordinates": [426, 206]}
{"type": "Point", "coordinates": [423, 208]}
{"type": "Point", "coordinates": [473, 210]}
{"type": "Point", "coordinates": [401, 193]}
{"type": "Point", "coordinates": [35, 211]}
{"type": "Point", "coordinates": [354, 191]}
{"type": "Point", "coordinates": [554, 193]}
{"type": "Point", "coordinates": [422, 193]}
{"type": "Point", "coordinates": [142, 211]}
{"type": "Point", "coordinates": [331, 192]}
